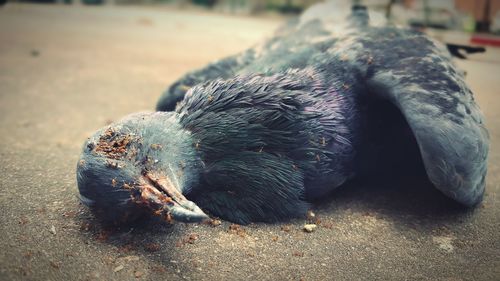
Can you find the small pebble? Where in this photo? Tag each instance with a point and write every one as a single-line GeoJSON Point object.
{"type": "Point", "coordinates": [130, 258]}
{"type": "Point", "coordinates": [215, 222]}
{"type": "Point", "coordinates": [309, 227]}
{"type": "Point", "coordinates": [138, 274]}
{"type": "Point", "coordinates": [118, 268]}
{"type": "Point", "coordinates": [53, 230]}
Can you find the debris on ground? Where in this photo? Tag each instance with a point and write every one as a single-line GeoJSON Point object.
{"type": "Point", "coordinates": [103, 235]}
{"type": "Point", "coordinates": [214, 222]}
{"type": "Point", "coordinates": [23, 220]}
{"type": "Point", "coordinates": [127, 259]}
{"type": "Point", "coordinates": [286, 228]}
{"type": "Point", "coordinates": [53, 230]}
{"type": "Point", "coordinates": [127, 248]}
{"type": "Point", "coordinates": [118, 268]}
{"type": "Point", "coordinates": [298, 254]}
{"type": "Point", "coordinates": [189, 239]}
{"type": "Point", "coordinates": [159, 269]}
{"type": "Point", "coordinates": [152, 247]}
{"type": "Point", "coordinates": [138, 274]}
{"type": "Point", "coordinates": [309, 227]}
{"type": "Point", "coordinates": [237, 229]}
{"type": "Point", "coordinates": [55, 265]}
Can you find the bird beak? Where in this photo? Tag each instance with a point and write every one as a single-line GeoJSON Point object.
{"type": "Point", "coordinates": [159, 194]}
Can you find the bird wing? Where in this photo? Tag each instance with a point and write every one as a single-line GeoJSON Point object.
{"type": "Point", "coordinates": [264, 138]}
{"type": "Point", "coordinates": [289, 47]}
{"type": "Point", "coordinates": [413, 73]}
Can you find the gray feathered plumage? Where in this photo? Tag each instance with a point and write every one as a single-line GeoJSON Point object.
{"type": "Point", "coordinates": [405, 67]}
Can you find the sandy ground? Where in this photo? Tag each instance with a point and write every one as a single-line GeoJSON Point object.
{"type": "Point", "coordinates": [66, 71]}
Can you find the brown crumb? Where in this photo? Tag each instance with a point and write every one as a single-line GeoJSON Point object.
{"type": "Point", "coordinates": [250, 254]}
{"type": "Point", "coordinates": [213, 222]}
{"type": "Point", "coordinates": [275, 238]}
{"type": "Point", "coordinates": [138, 274]}
{"type": "Point", "coordinates": [158, 269]}
{"type": "Point", "coordinates": [328, 225]}
{"type": "Point", "coordinates": [285, 228]}
{"type": "Point", "coordinates": [113, 145]}
{"type": "Point", "coordinates": [28, 255]}
{"type": "Point", "coordinates": [113, 182]}
{"type": "Point", "coordinates": [168, 218]}
{"type": "Point", "coordinates": [237, 229]}
{"type": "Point", "coordinates": [103, 235]}
{"type": "Point", "coordinates": [81, 163]}
{"type": "Point", "coordinates": [298, 254]}
{"type": "Point", "coordinates": [108, 260]}
{"type": "Point", "coordinates": [152, 247]}
{"type": "Point", "coordinates": [69, 214]}
{"type": "Point", "coordinates": [192, 237]}
{"type": "Point", "coordinates": [127, 248]}
{"type": "Point", "coordinates": [23, 220]}
{"type": "Point", "coordinates": [86, 226]}
{"type": "Point", "coordinates": [55, 265]}
{"type": "Point", "coordinates": [189, 239]}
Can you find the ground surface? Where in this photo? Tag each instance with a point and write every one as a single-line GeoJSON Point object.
{"type": "Point", "coordinates": [66, 71]}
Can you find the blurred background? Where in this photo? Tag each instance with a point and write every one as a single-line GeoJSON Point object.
{"type": "Point", "coordinates": [467, 15]}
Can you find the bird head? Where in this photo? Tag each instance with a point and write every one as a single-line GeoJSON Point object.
{"type": "Point", "coordinates": [144, 163]}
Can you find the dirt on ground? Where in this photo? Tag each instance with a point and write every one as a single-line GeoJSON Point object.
{"type": "Point", "coordinates": [66, 71]}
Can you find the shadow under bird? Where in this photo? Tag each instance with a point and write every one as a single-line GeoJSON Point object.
{"type": "Point", "coordinates": [258, 135]}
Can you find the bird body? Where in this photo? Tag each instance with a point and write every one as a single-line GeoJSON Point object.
{"type": "Point", "coordinates": [259, 135]}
